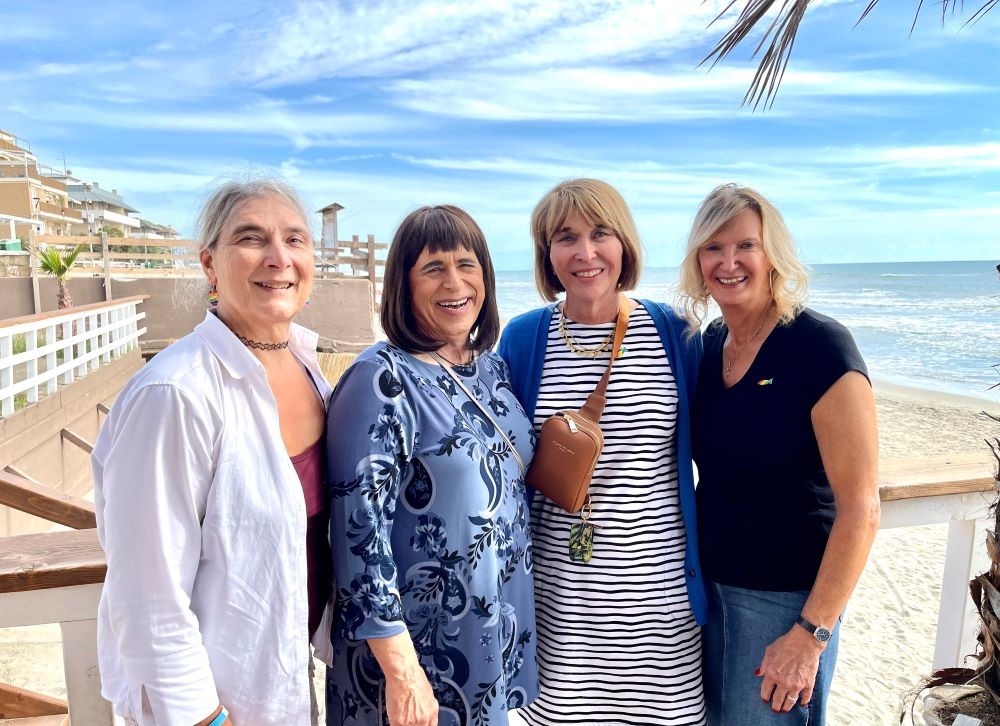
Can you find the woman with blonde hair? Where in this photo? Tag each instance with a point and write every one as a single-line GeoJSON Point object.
{"type": "Point", "coordinates": [618, 614]}
{"type": "Point", "coordinates": [786, 447]}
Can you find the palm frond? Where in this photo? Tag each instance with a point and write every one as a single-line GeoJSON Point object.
{"type": "Point", "coordinates": [978, 15]}
{"type": "Point", "coordinates": [779, 38]}
{"type": "Point", "coordinates": [51, 261]}
{"type": "Point", "coordinates": [70, 259]}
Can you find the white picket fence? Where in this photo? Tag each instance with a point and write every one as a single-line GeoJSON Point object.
{"type": "Point", "coordinates": [62, 346]}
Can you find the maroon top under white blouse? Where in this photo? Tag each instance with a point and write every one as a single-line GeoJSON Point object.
{"type": "Point", "coordinates": [310, 466]}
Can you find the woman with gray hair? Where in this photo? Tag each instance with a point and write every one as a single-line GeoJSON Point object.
{"type": "Point", "coordinates": [785, 441]}
{"type": "Point", "coordinates": [208, 485]}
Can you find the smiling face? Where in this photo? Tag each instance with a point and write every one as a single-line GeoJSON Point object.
{"type": "Point", "coordinates": [734, 266]}
{"type": "Point", "coordinates": [587, 259]}
{"type": "Point", "coordinates": [262, 267]}
{"type": "Point", "coordinates": [447, 292]}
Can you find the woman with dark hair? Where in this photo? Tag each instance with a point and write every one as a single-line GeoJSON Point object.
{"type": "Point", "coordinates": [427, 452]}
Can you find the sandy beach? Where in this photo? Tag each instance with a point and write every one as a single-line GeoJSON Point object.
{"type": "Point", "coordinates": [887, 641]}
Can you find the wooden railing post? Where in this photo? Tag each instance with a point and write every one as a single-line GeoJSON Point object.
{"type": "Point", "coordinates": [106, 254]}
{"type": "Point", "coordinates": [355, 253]}
{"type": "Point", "coordinates": [83, 679]}
{"type": "Point", "coordinates": [6, 375]}
{"type": "Point", "coordinates": [56, 577]}
{"type": "Point", "coordinates": [371, 262]}
{"type": "Point", "coordinates": [36, 298]}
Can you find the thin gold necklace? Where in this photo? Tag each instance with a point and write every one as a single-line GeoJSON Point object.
{"type": "Point", "coordinates": [735, 357]}
{"type": "Point", "coordinates": [578, 349]}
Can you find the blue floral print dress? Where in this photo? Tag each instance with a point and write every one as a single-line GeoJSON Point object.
{"type": "Point", "coordinates": [430, 533]}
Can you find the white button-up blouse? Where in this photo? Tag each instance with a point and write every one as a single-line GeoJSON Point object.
{"type": "Point", "coordinates": [202, 518]}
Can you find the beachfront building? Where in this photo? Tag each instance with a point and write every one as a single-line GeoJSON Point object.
{"type": "Point", "coordinates": [151, 230]}
{"type": "Point", "coordinates": [102, 208]}
{"type": "Point", "coordinates": [32, 198]}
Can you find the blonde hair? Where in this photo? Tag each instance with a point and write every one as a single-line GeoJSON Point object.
{"type": "Point", "coordinates": [789, 278]}
{"type": "Point", "coordinates": [600, 204]}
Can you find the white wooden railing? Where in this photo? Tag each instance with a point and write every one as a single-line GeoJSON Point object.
{"type": "Point", "coordinates": [957, 491]}
{"type": "Point", "coordinates": [61, 346]}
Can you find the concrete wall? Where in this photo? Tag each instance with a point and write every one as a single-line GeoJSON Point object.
{"type": "Point", "coordinates": [15, 297]}
{"type": "Point", "coordinates": [341, 310]}
{"type": "Point", "coordinates": [31, 441]}
{"type": "Point", "coordinates": [16, 301]}
{"type": "Point", "coordinates": [13, 264]}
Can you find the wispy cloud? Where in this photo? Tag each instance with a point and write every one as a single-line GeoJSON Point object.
{"type": "Point", "coordinates": [626, 95]}
{"type": "Point", "coordinates": [262, 118]}
{"type": "Point", "coordinates": [402, 37]}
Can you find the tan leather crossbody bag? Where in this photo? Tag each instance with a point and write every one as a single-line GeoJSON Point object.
{"type": "Point", "coordinates": [570, 442]}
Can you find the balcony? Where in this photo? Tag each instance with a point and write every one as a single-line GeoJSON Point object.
{"type": "Point", "coordinates": [66, 213]}
{"type": "Point", "coordinates": [108, 216]}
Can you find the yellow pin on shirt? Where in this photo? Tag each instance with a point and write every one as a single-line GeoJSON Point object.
{"type": "Point", "coordinates": [765, 381]}
{"type": "Point", "coordinates": [621, 352]}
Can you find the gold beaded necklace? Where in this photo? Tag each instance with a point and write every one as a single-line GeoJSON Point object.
{"type": "Point", "coordinates": [578, 349]}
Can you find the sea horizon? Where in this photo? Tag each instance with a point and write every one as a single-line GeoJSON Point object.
{"type": "Point", "coordinates": [925, 325]}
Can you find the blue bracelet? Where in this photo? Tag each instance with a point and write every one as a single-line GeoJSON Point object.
{"type": "Point", "coordinates": [221, 718]}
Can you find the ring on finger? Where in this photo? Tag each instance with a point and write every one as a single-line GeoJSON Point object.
{"type": "Point", "coordinates": [790, 697]}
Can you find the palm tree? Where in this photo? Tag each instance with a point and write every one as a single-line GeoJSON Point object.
{"type": "Point", "coordinates": [779, 38]}
{"type": "Point", "coordinates": [58, 265]}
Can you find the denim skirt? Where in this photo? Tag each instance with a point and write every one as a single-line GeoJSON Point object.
{"type": "Point", "coordinates": [741, 624]}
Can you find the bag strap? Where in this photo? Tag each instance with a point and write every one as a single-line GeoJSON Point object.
{"type": "Point", "coordinates": [454, 377]}
{"type": "Point", "coordinates": [593, 409]}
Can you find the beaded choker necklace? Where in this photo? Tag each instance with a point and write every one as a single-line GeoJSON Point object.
{"type": "Point", "coordinates": [578, 349]}
{"type": "Point", "coordinates": [255, 344]}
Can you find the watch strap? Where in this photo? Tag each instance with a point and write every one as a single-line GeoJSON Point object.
{"type": "Point", "coordinates": [810, 628]}
{"type": "Point", "coordinates": [819, 632]}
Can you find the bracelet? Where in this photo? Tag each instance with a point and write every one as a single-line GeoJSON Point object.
{"type": "Point", "coordinates": [221, 718]}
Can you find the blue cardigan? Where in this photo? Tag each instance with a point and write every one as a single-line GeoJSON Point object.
{"type": "Point", "coordinates": [523, 345]}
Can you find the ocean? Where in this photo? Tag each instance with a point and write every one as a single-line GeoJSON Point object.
{"type": "Point", "coordinates": [931, 325]}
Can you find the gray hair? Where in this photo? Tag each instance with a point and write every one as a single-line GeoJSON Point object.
{"type": "Point", "coordinates": [219, 206]}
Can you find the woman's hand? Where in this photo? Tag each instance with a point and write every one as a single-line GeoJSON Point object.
{"type": "Point", "coordinates": [410, 701]}
{"type": "Point", "coordinates": [789, 669]}
{"type": "Point", "coordinates": [409, 698]}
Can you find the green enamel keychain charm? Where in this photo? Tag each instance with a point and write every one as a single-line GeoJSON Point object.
{"type": "Point", "coordinates": [581, 536]}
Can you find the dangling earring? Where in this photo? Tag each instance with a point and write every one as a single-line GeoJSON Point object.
{"type": "Point", "coordinates": [213, 297]}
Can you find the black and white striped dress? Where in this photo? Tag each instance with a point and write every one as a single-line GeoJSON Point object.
{"type": "Point", "coordinates": [617, 641]}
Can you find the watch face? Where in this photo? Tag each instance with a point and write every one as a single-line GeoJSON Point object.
{"type": "Point", "coordinates": [822, 634]}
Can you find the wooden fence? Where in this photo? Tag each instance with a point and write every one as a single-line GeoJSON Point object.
{"type": "Point", "coordinates": [105, 256]}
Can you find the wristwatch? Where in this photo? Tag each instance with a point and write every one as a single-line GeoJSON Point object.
{"type": "Point", "coordinates": [817, 631]}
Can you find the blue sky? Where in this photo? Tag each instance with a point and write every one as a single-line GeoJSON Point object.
{"type": "Point", "coordinates": [882, 146]}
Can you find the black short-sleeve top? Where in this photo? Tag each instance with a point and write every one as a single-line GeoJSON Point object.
{"type": "Point", "coordinates": [765, 507]}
